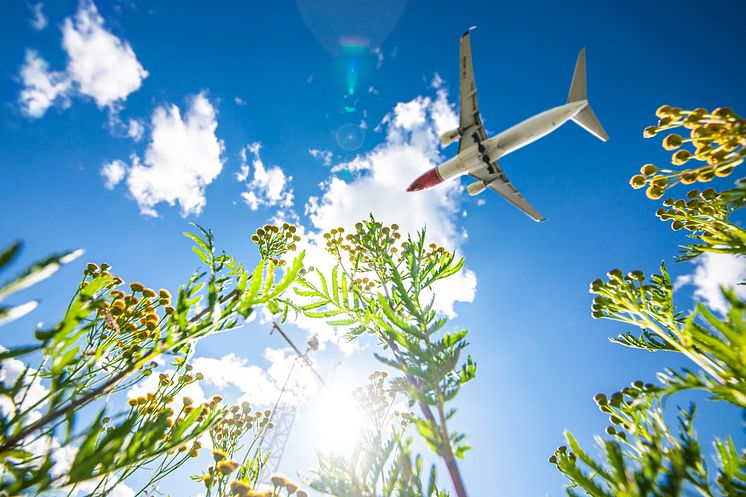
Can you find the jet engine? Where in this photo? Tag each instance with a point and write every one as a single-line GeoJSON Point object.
{"type": "Point", "coordinates": [449, 137]}
{"type": "Point", "coordinates": [476, 188]}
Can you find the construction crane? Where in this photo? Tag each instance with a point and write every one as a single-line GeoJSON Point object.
{"type": "Point", "coordinates": [284, 412]}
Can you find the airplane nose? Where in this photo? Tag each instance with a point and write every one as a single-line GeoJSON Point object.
{"type": "Point", "coordinates": [427, 180]}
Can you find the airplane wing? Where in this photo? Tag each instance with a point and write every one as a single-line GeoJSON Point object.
{"type": "Point", "coordinates": [499, 182]}
{"type": "Point", "coordinates": [469, 120]}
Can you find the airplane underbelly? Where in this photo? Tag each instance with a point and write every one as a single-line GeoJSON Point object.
{"type": "Point", "coordinates": [451, 168]}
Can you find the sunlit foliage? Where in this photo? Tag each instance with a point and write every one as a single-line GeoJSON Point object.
{"type": "Point", "coordinates": [642, 455]}
{"type": "Point", "coordinates": [113, 335]}
{"type": "Point", "coordinates": [382, 285]}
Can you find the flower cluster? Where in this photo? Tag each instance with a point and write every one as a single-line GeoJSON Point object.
{"type": "Point", "coordinates": [132, 321]}
{"type": "Point", "coordinates": [694, 214]}
{"type": "Point", "coordinates": [282, 482]}
{"type": "Point", "coordinates": [275, 241]}
{"type": "Point", "coordinates": [718, 139]}
{"type": "Point", "coordinates": [366, 245]}
{"type": "Point", "coordinates": [227, 438]}
{"type": "Point", "coordinates": [153, 405]}
{"type": "Point", "coordinates": [622, 295]}
{"type": "Point", "coordinates": [374, 398]}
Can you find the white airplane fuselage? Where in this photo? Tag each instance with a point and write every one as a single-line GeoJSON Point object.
{"type": "Point", "coordinates": [510, 140]}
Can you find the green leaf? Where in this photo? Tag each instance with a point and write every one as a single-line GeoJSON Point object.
{"type": "Point", "coordinates": [38, 272]}
{"type": "Point", "coordinates": [7, 255]}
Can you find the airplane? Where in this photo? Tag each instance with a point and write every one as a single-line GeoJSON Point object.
{"type": "Point", "coordinates": [478, 155]}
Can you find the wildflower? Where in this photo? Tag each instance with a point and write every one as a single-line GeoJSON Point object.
{"type": "Point", "coordinates": [654, 193]}
{"type": "Point", "coordinates": [291, 487]}
{"type": "Point", "coordinates": [650, 132]}
{"type": "Point", "coordinates": [227, 467]}
{"type": "Point", "coordinates": [723, 171]}
{"type": "Point", "coordinates": [680, 157]}
{"type": "Point", "coordinates": [706, 174]}
{"type": "Point", "coordinates": [672, 142]}
{"type": "Point", "coordinates": [278, 480]}
{"type": "Point", "coordinates": [241, 488]}
{"type": "Point", "coordinates": [637, 181]}
{"type": "Point", "coordinates": [137, 287]}
{"type": "Point", "coordinates": [663, 111]}
{"type": "Point", "coordinates": [689, 176]}
{"type": "Point", "coordinates": [149, 293]}
{"type": "Point", "coordinates": [648, 169]}
{"type": "Point", "coordinates": [169, 310]}
{"type": "Point", "coordinates": [659, 181]}
{"type": "Point", "coordinates": [301, 493]}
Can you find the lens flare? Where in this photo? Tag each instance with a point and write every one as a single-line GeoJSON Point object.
{"type": "Point", "coordinates": [354, 51]}
{"type": "Point", "coordinates": [350, 136]}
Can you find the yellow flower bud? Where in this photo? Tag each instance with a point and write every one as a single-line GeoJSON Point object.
{"type": "Point", "coordinates": [663, 111]}
{"type": "Point", "coordinates": [723, 171]}
{"type": "Point", "coordinates": [706, 174]}
{"type": "Point", "coordinates": [688, 177]}
{"type": "Point", "coordinates": [654, 193]}
{"type": "Point", "coordinates": [278, 480]}
{"type": "Point", "coordinates": [638, 181]}
{"type": "Point", "coordinates": [648, 169]}
{"type": "Point", "coordinates": [136, 287]}
{"type": "Point", "coordinates": [659, 181]}
{"type": "Point", "coordinates": [672, 142]}
{"type": "Point", "coordinates": [227, 467]}
{"type": "Point", "coordinates": [680, 157]}
{"type": "Point", "coordinates": [650, 131]}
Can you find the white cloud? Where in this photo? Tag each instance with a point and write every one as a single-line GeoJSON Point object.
{"type": "Point", "coordinates": [41, 87]}
{"type": "Point", "coordinates": [325, 156]}
{"type": "Point", "coordinates": [113, 172]}
{"type": "Point", "coordinates": [29, 395]}
{"type": "Point", "coordinates": [100, 65]}
{"type": "Point", "coordinates": [103, 66]}
{"type": "Point", "coordinates": [713, 271]}
{"type": "Point", "coordinates": [268, 187]}
{"type": "Point", "coordinates": [135, 129]}
{"type": "Point", "coordinates": [38, 19]}
{"type": "Point", "coordinates": [182, 158]}
{"type": "Point", "coordinates": [239, 101]}
{"type": "Point", "coordinates": [257, 385]}
{"type": "Point", "coordinates": [379, 185]}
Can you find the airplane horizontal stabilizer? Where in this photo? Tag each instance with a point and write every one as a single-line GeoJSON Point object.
{"type": "Point", "coordinates": [588, 120]}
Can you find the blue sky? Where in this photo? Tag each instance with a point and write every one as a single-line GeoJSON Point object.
{"type": "Point", "coordinates": [184, 96]}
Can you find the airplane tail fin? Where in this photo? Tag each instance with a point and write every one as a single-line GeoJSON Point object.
{"type": "Point", "coordinates": [586, 119]}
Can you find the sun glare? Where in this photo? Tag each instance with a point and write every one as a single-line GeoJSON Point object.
{"type": "Point", "coordinates": [337, 420]}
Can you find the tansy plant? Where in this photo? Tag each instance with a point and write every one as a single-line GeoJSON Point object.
{"type": "Point", "coordinates": [238, 461]}
{"type": "Point", "coordinates": [715, 146]}
{"type": "Point", "coordinates": [381, 462]}
{"type": "Point", "coordinates": [642, 455]}
{"type": "Point", "coordinates": [59, 426]}
{"type": "Point", "coordinates": [382, 285]}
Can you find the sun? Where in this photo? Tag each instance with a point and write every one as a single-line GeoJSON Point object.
{"type": "Point", "coordinates": [337, 420]}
